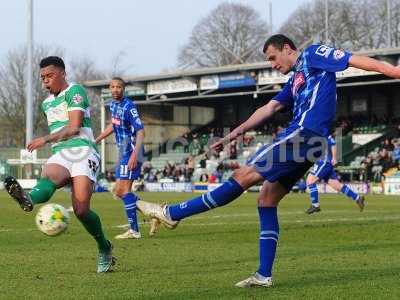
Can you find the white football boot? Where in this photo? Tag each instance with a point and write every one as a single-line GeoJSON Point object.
{"type": "Point", "coordinates": [154, 210]}
{"type": "Point", "coordinates": [129, 234]}
{"type": "Point", "coordinates": [154, 226]}
{"type": "Point", "coordinates": [255, 280]}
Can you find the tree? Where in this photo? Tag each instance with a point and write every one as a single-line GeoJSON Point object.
{"type": "Point", "coordinates": [231, 34]}
{"type": "Point", "coordinates": [84, 69]}
{"type": "Point", "coordinates": [13, 92]}
{"type": "Point", "coordinates": [13, 95]}
{"type": "Point", "coordinates": [353, 24]}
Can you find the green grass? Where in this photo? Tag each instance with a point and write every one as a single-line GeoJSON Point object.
{"type": "Point", "coordinates": [336, 254]}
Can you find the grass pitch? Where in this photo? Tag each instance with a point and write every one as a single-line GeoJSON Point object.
{"type": "Point", "coordinates": [339, 253]}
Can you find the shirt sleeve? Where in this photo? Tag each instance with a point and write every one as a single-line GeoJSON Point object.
{"type": "Point", "coordinates": [76, 98]}
{"type": "Point", "coordinates": [327, 58]}
{"type": "Point", "coordinates": [285, 96]}
{"type": "Point", "coordinates": [331, 141]}
{"type": "Point", "coordinates": [133, 117]}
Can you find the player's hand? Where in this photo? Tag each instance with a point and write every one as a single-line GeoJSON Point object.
{"type": "Point", "coordinates": [36, 143]}
{"type": "Point", "coordinates": [230, 137]}
{"type": "Point", "coordinates": [132, 163]}
{"type": "Point", "coordinates": [334, 162]}
{"type": "Point", "coordinates": [217, 144]}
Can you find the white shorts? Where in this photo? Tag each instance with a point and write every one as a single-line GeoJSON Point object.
{"type": "Point", "coordinates": [79, 161]}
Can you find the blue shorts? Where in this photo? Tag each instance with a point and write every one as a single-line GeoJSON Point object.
{"type": "Point", "coordinates": [289, 157]}
{"type": "Point", "coordinates": [324, 170]}
{"type": "Point", "coordinates": [123, 173]}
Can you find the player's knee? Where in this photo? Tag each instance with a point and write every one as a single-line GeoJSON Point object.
{"type": "Point", "coordinates": [310, 180]}
{"type": "Point", "coordinates": [80, 210]}
{"type": "Point", "coordinates": [119, 193]}
{"type": "Point", "coordinates": [246, 176]}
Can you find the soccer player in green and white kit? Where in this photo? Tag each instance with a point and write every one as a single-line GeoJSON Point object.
{"type": "Point", "coordinates": [75, 158]}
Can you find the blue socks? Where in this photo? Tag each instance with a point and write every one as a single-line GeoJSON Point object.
{"type": "Point", "coordinates": [349, 192]}
{"type": "Point", "coordinates": [314, 194]}
{"type": "Point", "coordinates": [130, 208]}
{"type": "Point", "coordinates": [221, 196]}
{"type": "Point", "coordinates": [269, 234]}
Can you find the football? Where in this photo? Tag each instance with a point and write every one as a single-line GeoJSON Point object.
{"type": "Point", "coordinates": [52, 219]}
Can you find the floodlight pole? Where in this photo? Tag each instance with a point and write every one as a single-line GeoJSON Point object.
{"type": "Point", "coordinates": [29, 76]}
{"type": "Point", "coordinates": [326, 22]}
{"type": "Point", "coordinates": [271, 28]}
{"type": "Point", "coordinates": [103, 142]}
{"type": "Point", "coordinates": [389, 27]}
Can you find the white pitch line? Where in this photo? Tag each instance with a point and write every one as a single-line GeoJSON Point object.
{"type": "Point", "coordinates": [325, 220]}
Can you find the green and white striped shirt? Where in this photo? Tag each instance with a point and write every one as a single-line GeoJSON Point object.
{"type": "Point", "coordinates": [56, 109]}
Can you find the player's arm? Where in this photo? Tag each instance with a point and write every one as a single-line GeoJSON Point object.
{"type": "Point", "coordinates": [371, 64]}
{"type": "Point", "coordinates": [136, 123]}
{"type": "Point", "coordinates": [256, 119]}
{"type": "Point", "coordinates": [107, 131]}
{"type": "Point", "coordinates": [72, 129]}
{"type": "Point", "coordinates": [334, 155]}
{"type": "Point", "coordinates": [132, 163]}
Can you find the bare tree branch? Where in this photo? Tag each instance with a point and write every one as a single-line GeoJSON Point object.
{"type": "Point", "coordinates": [230, 34]}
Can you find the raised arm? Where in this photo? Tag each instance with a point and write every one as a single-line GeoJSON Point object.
{"type": "Point", "coordinates": [334, 155]}
{"type": "Point", "coordinates": [371, 64]}
{"type": "Point", "coordinates": [256, 119]}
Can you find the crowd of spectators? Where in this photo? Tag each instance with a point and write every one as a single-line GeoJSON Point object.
{"type": "Point", "coordinates": [202, 164]}
{"type": "Point", "coordinates": [379, 164]}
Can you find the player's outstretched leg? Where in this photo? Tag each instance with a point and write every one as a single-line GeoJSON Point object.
{"type": "Point", "coordinates": [15, 190]}
{"type": "Point", "coordinates": [170, 215]}
{"type": "Point", "coordinates": [346, 190]}
{"type": "Point", "coordinates": [315, 206]}
{"type": "Point", "coordinates": [40, 193]}
{"type": "Point", "coordinates": [268, 240]}
{"type": "Point", "coordinates": [130, 200]}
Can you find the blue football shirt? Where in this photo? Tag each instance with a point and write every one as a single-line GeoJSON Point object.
{"type": "Point", "coordinates": [311, 90]}
{"type": "Point", "coordinates": [126, 123]}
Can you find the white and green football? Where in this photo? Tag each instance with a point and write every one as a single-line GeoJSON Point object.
{"type": "Point", "coordinates": [52, 219]}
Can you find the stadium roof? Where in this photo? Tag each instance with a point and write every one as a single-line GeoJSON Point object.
{"type": "Point", "coordinates": [222, 69]}
{"type": "Point", "coordinates": [231, 81]}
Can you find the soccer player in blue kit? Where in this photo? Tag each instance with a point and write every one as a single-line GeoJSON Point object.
{"type": "Point", "coordinates": [323, 169]}
{"type": "Point", "coordinates": [129, 136]}
{"type": "Point", "coordinates": [310, 94]}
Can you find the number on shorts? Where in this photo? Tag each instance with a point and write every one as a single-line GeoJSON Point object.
{"type": "Point", "coordinates": [92, 165]}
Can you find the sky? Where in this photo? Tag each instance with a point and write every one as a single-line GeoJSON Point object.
{"type": "Point", "coordinates": [149, 33]}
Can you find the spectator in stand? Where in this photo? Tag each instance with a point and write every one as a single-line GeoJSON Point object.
{"type": "Point", "coordinates": [203, 161]}
{"type": "Point", "coordinates": [204, 177]}
{"type": "Point", "coordinates": [190, 167]}
{"type": "Point", "coordinates": [385, 160]}
{"type": "Point", "coordinates": [187, 139]}
{"type": "Point", "coordinates": [195, 147]}
{"type": "Point", "coordinates": [219, 172]}
{"type": "Point", "coordinates": [387, 144]}
{"type": "Point", "coordinates": [212, 178]}
{"type": "Point", "coordinates": [233, 150]}
{"type": "Point", "coordinates": [396, 153]}
{"type": "Point", "coordinates": [367, 166]}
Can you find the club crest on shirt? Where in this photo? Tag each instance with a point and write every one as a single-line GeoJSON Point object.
{"type": "Point", "coordinates": [116, 121]}
{"type": "Point", "coordinates": [338, 54]}
{"type": "Point", "coordinates": [323, 51]}
{"type": "Point", "coordinates": [77, 98]}
{"type": "Point", "coordinates": [298, 82]}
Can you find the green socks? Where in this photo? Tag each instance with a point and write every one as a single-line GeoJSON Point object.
{"type": "Point", "coordinates": [93, 225]}
{"type": "Point", "coordinates": [42, 191]}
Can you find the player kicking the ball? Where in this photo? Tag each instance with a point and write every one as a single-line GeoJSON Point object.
{"type": "Point", "coordinates": [310, 94]}
{"type": "Point", "coordinates": [324, 170]}
{"type": "Point", "coordinates": [129, 135]}
{"type": "Point", "coordinates": [75, 159]}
